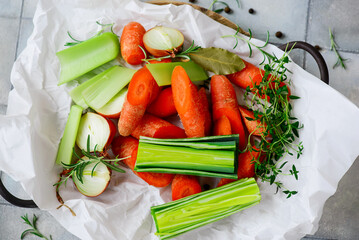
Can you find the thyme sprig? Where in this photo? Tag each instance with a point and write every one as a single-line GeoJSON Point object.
{"type": "Point", "coordinates": [78, 167]}
{"type": "Point", "coordinates": [266, 55]}
{"type": "Point", "coordinates": [333, 47]}
{"type": "Point", "coordinates": [103, 28]}
{"type": "Point", "coordinates": [33, 230]}
{"type": "Point", "coordinates": [183, 54]}
{"type": "Point", "coordinates": [275, 112]}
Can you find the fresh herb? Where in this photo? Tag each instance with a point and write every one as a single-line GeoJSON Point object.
{"type": "Point", "coordinates": [183, 54]}
{"type": "Point", "coordinates": [226, 7]}
{"type": "Point", "coordinates": [333, 47]}
{"type": "Point", "coordinates": [270, 102]}
{"type": "Point", "coordinates": [33, 230]}
{"type": "Point", "coordinates": [266, 55]}
{"type": "Point", "coordinates": [103, 28]}
{"type": "Point", "coordinates": [78, 167]}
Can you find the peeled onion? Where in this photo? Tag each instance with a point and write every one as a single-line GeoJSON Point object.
{"type": "Point", "coordinates": [93, 186]}
{"type": "Point", "coordinates": [162, 41]}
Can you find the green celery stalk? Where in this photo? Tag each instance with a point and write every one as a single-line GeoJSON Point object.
{"type": "Point", "coordinates": [86, 56]}
{"type": "Point", "coordinates": [180, 216]}
{"type": "Point", "coordinates": [64, 154]}
{"type": "Point", "coordinates": [102, 91]}
{"type": "Point", "coordinates": [201, 156]}
{"type": "Point", "coordinates": [76, 93]}
{"type": "Point", "coordinates": [162, 72]}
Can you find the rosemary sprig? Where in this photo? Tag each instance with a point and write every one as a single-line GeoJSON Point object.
{"type": "Point", "coordinates": [266, 55]}
{"type": "Point", "coordinates": [183, 54]}
{"type": "Point", "coordinates": [333, 47]}
{"type": "Point", "coordinates": [103, 28]}
{"type": "Point", "coordinates": [78, 167]}
{"type": "Point", "coordinates": [211, 7]}
{"type": "Point", "coordinates": [33, 230]}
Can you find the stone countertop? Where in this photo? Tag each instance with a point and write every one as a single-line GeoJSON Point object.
{"type": "Point", "coordinates": [305, 20]}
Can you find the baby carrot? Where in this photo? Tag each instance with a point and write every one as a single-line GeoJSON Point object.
{"type": "Point", "coordinates": [123, 147]}
{"type": "Point", "coordinates": [151, 126]}
{"type": "Point", "coordinates": [184, 185]}
{"type": "Point", "coordinates": [204, 108]}
{"type": "Point", "coordinates": [131, 39]}
{"type": "Point", "coordinates": [247, 77]}
{"type": "Point", "coordinates": [224, 103]}
{"type": "Point", "coordinates": [222, 126]}
{"type": "Point", "coordinates": [255, 127]}
{"type": "Point", "coordinates": [154, 179]}
{"type": "Point", "coordinates": [185, 97]}
{"type": "Point", "coordinates": [163, 106]}
{"type": "Point", "coordinates": [141, 90]}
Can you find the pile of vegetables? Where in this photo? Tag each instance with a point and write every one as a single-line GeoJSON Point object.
{"type": "Point", "coordinates": [130, 113]}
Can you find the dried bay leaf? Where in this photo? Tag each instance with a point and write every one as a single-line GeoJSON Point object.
{"type": "Point", "coordinates": [217, 60]}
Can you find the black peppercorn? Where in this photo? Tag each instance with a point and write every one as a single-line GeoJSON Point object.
{"type": "Point", "coordinates": [227, 9]}
{"type": "Point", "coordinates": [192, 1]}
{"type": "Point", "coordinates": [318, 47]}
{"type": "Point", "coordinates": [279, 34]}
{"type": "Point", "coordinates": [251, 10]}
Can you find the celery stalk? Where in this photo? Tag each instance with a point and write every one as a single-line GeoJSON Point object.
{"type": "Point", "coordinates": [76, 93]}
{"type": "Point", "coordinates": [180, 216]}
{"type": "Point", "coordinates": [64, 154]}
{"type": "Point", "coordinates": [162, 72]}
{"type": "Point", "coordinates": [210, 156]}
{"type": "Point", "coordinates": [86, 56]}
{"type": "Point", "coordinates": [102, 91]}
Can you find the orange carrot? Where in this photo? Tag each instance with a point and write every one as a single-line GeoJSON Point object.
{"type": "Point", "coordinates": [224, 103]}
{"type": "Point", "coordinates": [154, 179]}
{"type": "Point", "coordinates": [185, 97]}
{"type": "Point", "coordinates": [151, 126]}
{"type": "Point", "coordinates": [131, 39]}
{"type": "Point", "coordinates": [165, 60]}
{"type": "Point", "coordinates": [141, 89]}
{"type": "Point", "coordinates": [222, 127]}
{"type": "Point", "coordinates": [163, 106]}
{"type": "Point", "coordinates": [123, 147]}
{"type": "Point", "coordinates": [204, 108]}
{"type": "Point", "coordinates": [255, 127]}
{"type": "Point", "coordinates": [246, 167]}
{"type": "Point", "coordinates": [247, 77]}
{"type": "Point", "coordinates": [184, 185]}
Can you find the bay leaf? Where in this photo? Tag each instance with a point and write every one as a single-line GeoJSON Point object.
{"type": "Point", "coordinates": [217, 60]}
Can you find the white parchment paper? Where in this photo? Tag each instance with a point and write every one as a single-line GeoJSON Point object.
{"type": "Point", "coordinates": [38, 109]}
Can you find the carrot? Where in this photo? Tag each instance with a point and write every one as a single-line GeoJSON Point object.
{"type": "Point", "coordinates": [204, 108]}
{"type": "Point", "coordinates": [123, 147]}
{"type": "Point", "coordinates": [165, 60]}
{"type": "Point", "coordinates": [151, 126]}
{"type": "Point", "coordinates": [141, 90]}
{"type": "Point", "coordinates": [154, 179]}
{"type": "Point", "coordinates": [224, 103]}
{"type": "Point", "coordinates": [246, 167]}
{"type": "Point", "coordinates": [163, 106]}
{"type": "Point", "coordinates": [185, 97]}
{"type": "Point", "coordinates": [184, 185]}
{"type": "Point", "coordinates": [131, 39]}
{"type": "Point", "coordinates": [222, 127]}
{"type": "Point", "coordinates": [255, 127]}
{"type": "Point", "coordinates": [247, 77]}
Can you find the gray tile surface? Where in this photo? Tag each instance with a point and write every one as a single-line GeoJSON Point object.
{"type": "Point", "coordinates": [10, 8]}
{"type": "Point", "coordinates": [346, 81]}
{"type": "Point", "coordinates": [272, 16]}
{"type": "Point", "coordinates": [9, 29]}
{"type": "Point", "coordinates": [12, 225]}
{"type": "Point", "coordinates": [25, 32]}
{"type": "Point", "coordinates": [29, 8]}
{"type": "Point", "coordinates": [341, 16]}
{"type": "Point", "coordinates": [340, 218]}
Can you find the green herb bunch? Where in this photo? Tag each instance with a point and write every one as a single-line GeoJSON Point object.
{"type": "Point", "coordinates": [270, 101]}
